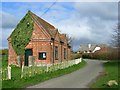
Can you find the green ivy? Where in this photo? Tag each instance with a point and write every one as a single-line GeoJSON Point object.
{"type": "Point", "coordinates": [22, 34]}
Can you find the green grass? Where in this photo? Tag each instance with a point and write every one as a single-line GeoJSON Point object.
{"type": "Point", "coordinates": [4, 61]}
{"type": "Point", "coordinates": [111, 70]}
{"type": "Point", "coordinates": [17, 82]}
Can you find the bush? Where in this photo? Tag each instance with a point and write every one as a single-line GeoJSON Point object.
{"type": "Point", "coordinates": [109, 54]}
{"type": "Point", "coordinates": [4, 52]}
{"type": "Point", "coordinates": [86, 55]}
{"type": "Point", "coordinates": [75, 55]}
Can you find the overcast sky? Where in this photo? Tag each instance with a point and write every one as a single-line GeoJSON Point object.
{"type": "Point", "coordinates": [84, 22]}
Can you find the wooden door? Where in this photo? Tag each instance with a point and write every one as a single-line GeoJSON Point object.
{"type": "Point", "coordinates": [28, 52]}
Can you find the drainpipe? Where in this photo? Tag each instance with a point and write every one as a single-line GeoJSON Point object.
{"type": "Point", "coordinates": [53, 48]}
{"type": "Point", "coordinates": [61, 52]}
{"type": "Point", "coordinates": [61, 49]}
{"type": "Point", "coordinates": [67, 52]}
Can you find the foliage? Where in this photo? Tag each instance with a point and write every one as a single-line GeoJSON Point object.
{"type": "Point", "coordinates": [111, 69]}
{"type": "Point", "coordinates": [4, 52]}
{"type": "Point", "coordinates": [20, 37]}
{"type": "Point", "coordinates": [32, 71]}
{"type": "Point", "coordinates": [3, 66]}
{"type": "Point", "coordinates": [4, 61]}
{"type": "Point", "coordinates": [75, 55]}
{"type": "Point", "coordinates": [110, 54]}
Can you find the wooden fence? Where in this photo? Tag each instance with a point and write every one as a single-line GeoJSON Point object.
{"type": "Point", "coordinates": [5, 73]}
{"type": "Point", "coordinates": [34, 70]}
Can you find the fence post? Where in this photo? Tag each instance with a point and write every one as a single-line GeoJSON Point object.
{"type": "Point", "coordinates": [22, 71]}
{"type": "Point", "coordinates": [9, 72]}
{"type": "Point", "coordinates": [47, 68]}
{"type": "Point", "coordinates": [80, 59]}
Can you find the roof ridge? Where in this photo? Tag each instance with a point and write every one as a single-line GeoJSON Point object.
{"type": "Point", "coordinates": [47, 26]}
{"type": "Point", "coordinates": [40, 18]}
{"type": "Point", "coordinates": [33, 17]}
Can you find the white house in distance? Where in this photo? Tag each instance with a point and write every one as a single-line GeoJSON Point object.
{"type": "Point", "coordinates": [90, 48]}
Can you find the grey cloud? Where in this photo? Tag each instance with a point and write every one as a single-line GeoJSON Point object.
{"type": "Point", "coordinates": [8, 20]}
{"type": "Point", "coordinates": [8, 24]}
{"type": "Point", "coordinates": [5, 34]}
{"type": "Point", "coordinates": [103, 10]}
{"type": "Point", "coordinates": [4, 44]}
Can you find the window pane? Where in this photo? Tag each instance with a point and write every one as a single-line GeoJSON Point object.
{"type": "Point", "coordinates": [65, 53]}
{"type": "Point", "coordinates": [56, 52]}
{"type": "Point", "coordinates": [42, 55]}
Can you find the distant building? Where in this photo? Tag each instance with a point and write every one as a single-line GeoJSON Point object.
{"type": "Point", "coordinates": [90, 48]}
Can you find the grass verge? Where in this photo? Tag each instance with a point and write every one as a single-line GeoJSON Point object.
{"type": "Point", "coordinates": [4, 61]}
{"type": "Point", "coordinates": [110, 73]}
{"type": "Point", "coordinates": [17, 82]}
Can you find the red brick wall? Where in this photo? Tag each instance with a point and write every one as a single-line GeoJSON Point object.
{"type": "Point", "coordinates": [57, 43]}
{"type": "Point", "coordinates": [59, 55]}
{"type": "Point", "coordinates": [64, 46]}
{"type": "Point", "coordinates": [40, 43]}
{"type": "Point", "coordinates": [69, 53]}
{"type": "Point", "coordinates": [11, 55]}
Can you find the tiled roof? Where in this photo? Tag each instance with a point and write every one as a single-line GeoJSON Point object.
{"type": "Point", "coordinates": [63, 37]}
{"type": "Point", "coordinates": [85, 47]}
{"type": "Point", "coordinates": [92, 47]}
{"type": "Point", "coordinates": [48, 27]}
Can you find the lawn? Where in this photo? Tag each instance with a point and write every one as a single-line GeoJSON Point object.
{"type": "Point", "coordinates": [17, 82]}
{"type": "Point", "coordinates": [110, 73]}
{"type": "Point", "coordinates": [4, 61]}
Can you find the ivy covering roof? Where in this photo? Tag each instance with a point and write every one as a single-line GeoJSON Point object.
{"type": "Point", "coordinates": [21, 35]}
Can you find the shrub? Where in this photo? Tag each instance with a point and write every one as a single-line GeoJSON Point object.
{"type": "Point", "coordinates": [4, 52]}
{"type": "Point", "coordinates": [75, 55]}
{"type": "Point", "coordinates": [109, 54]}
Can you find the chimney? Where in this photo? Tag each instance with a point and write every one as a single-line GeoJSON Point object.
{"type": "Point", "coordinates": [89, 45]}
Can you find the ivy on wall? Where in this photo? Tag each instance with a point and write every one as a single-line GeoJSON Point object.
{"type": "Point", "coordinates": [22, 34]}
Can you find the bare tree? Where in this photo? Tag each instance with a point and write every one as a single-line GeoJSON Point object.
{"type": "Point", "coordinates": [118, 34]}
{"type": "Point", "coordinates": [69, 39]}
{"type": "Point", "coordinates": [116, 39]}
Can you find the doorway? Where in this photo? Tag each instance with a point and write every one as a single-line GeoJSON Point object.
{"type": "Point", "coordinates": [28, 52]}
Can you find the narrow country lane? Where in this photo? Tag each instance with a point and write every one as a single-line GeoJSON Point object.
{"type": "Point", "coordinates": [78, 79]}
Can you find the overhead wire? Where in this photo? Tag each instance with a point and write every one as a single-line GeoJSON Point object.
{"type": "Point", "coordinates": [49, 8]}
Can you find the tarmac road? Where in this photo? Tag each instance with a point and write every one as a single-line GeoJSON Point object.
{"type": "Point", "coordinates": [78, 79]}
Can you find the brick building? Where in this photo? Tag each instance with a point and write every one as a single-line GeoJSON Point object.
{"type": "Point", "coordinates": [33, 36]}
